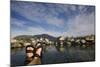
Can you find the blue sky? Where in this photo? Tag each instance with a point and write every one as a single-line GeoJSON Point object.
{"type": "Point", "coordinates": [32, 18]}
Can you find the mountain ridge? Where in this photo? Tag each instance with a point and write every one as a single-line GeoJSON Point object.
{"type": "Point", "coordinates": [50, 37]}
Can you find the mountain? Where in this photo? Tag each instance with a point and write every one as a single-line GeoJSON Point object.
{"type": "Point", "coordinates": [28, 37]}
{"type": "Point", "coordinates": [45, 36]}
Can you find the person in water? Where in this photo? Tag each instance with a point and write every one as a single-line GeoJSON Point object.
{"type": "Point", "coordinates": [33, 54]}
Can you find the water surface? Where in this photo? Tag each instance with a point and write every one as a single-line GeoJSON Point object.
{"type": "Point", "coordinates": [51, 55]}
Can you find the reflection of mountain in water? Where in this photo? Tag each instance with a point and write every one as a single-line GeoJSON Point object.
{"type": "Point", "coordinates": [53, 56]}
{"type": "Point", "coordinates": [73, 49]}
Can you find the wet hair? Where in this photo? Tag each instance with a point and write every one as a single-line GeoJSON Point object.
{"type": "Point", "coordinates": [38, 46]}
{"type": "Point", "coordinates": [30, 51]}
{"type": "Point", "coordinates": [29, 59]}
{"type": "Point", "coordinates": [29, 46]}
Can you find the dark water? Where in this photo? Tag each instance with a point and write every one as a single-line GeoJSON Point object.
{"type": "Point", "coordinates": [51, 55]}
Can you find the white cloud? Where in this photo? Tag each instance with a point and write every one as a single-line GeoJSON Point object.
{"type": "Point", "coordinates": [17, 22]}
{"type": "Point", "coordinates": [54, 21]}
{"type": "Point", "coordinates": [80, 25]}
{"type": "Point", "coordinates": [83, 24]}
{"type": "Point", "coordinates": [35, 11]}
{"type": "Point", "coordinates": [34, 31]}
{"type": "Point", "coordinates": [40, 30]}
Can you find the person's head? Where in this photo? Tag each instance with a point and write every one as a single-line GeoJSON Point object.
{"type": "Point", "coordinates": [29, 51]}
{"type": "Point", "coordinates": [38, 48]}
{"type": "Point", "coordinates": [29, 47]}
{"type": "Point", "coordinates": [38, 44]}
